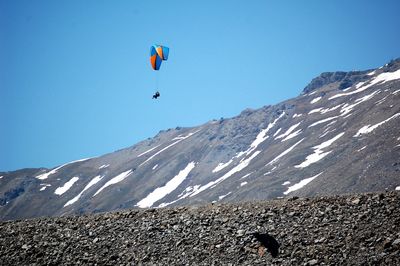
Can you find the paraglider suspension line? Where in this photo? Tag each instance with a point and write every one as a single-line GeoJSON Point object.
{"type": "Point", "coordinates": [157, 80]}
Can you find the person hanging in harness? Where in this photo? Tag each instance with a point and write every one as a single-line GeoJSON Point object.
{"type": "Point", "coordinates": [158, 53]}
{"type": "Point", "coordinates": [156, 95]}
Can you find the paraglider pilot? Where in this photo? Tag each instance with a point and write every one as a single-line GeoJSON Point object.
{"type": "Point", "coordinates": [158, 53]}
{"type": "Point", "coordinates": [156, 95]}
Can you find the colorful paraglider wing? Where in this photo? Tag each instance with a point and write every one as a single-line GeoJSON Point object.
{"type": "Point", "coordinates": [157, 54]}
{"type": "Point", "coordinates": [155, 59]}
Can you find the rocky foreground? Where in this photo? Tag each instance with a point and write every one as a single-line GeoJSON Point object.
{"type": "Point", "coordinates": [342, 230]}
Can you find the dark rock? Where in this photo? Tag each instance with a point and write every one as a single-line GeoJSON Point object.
{"type": "Point", "coordinates": [312, 262]}
{"type": "Point", "coordinates": [396, 242]}
{"type": "Point", "coordinates": [293, 198]}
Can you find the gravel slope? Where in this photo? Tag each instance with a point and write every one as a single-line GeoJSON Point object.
{"type": "Point", "coordinates": [362, 229]}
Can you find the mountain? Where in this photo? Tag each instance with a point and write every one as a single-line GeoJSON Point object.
{"type": "Point", "coordinates": [340, 135]}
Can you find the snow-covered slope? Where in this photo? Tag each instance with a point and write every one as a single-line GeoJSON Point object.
{"type": "Point", "coordinates": [341, 135]}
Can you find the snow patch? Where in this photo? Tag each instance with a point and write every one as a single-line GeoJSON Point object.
{"type": "Point", "coordinates": [397, 188]}
{"type": "Point", "coordinates": [296, 115]}
{"type": "Point", "coordinates": [318, 153]}
{"type": "Point", "coordinates": [380, 79]}
{"type": "Point", "coordinates": [323, 111]}
{"type": "Point", "coordinates": [301, 184]}
{"type": "Point", "coordinates": [277, 132]}
{"type": "Point", "coordinates": [221, 166]}
{"type": "Point", "coordinates": [148, 151]}
{"type": "Point", "coordinates": [317, 110]}
{"type": "Point", "coordinates": [243, 177]}
{"type": "Point", "coordinates": [243, 164]}
{"type": "Point", "coordinates": [322, 121]}
{"type": "Point", "coordinates": [381, 100]}
{"type": "Point", "coordinates": [104, 166]}
{"type": "Point", "coordinates": [186, 193]}
{"type": "Point", "coordinates": [271, 125]}
{"type": "Point", "coordinates": [169, 146]}
{"type": "Point", "coordinates": [347, 108]}
{"type": "Point", "coordinates": [163, 191]}
{"type": "Point", "coordinates": [115, 180]}
{"type": "Point", "coordinates": [154, 167]}
{"type": "Point", "coordinates": [326, 110]}
{"type": "Point", "coordinates": [331, 123]}
{"type": "Point", "coordinates": [46, 175]}
{"type": "Point", "coordinates": [292, 135]}
{"type": "Point", "coordinates": [361, 148]}
{"type": "Point", "coordinates": [286, 183]}
{"type": "Point", "coordinates": [243, 184]}
{"type": "Point", "coordinates": [284, 153]}
{"type": "Point", "coordinates": [223, 196]}
{"type": "Point", "coordinates": [95, 180]}
{"type": "Point", "coordinates": [288, 131]}
{"type": "Point", "coordinates": [316, 100]}
{"type": "Point", "coordinates": [261, 137]}
{"type": "Point", "coordinates": [326, 133]}
{"type": "Point", "coordinates": [188, 189]}
{"type": "Point", "coordinates": [368, 129]}
{"type": "Point", "coordinates": [68, 185]}
{"type": "Point", "coordinates": [269, 172]}
{"type": "Point", "coordinates": [44, 186]}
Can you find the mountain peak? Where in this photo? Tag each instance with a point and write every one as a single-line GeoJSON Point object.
{"type": "Point", "coordinates": [393, 65]}
{"type": "Point", "coordinates": [344, 79]}
{"type": "Point", "coordinates": [347, 79]}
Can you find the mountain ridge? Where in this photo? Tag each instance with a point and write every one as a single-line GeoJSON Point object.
{"type": "Point", "coordinates": [346, 78]}
{"type": "Point", "coordinates": [323, 141]}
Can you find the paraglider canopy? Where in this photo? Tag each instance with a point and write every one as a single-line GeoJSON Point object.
{"type": "Point", "coordinates": [158, 53]}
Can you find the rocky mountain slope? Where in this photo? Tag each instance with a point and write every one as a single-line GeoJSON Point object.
{"type": "Point", "coordinates": [341, 135]}
{"type": "Point", "coordinates": [336, 230]}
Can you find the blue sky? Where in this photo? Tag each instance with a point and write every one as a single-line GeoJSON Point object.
{"type": "Point", "coordinates": [76, 82]}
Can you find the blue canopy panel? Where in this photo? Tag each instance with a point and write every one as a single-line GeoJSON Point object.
{"type": "Point", "coordinates": [165, 52]}
{"type": "Point", "coordinates": [157, 63]}
{"type": "Point", "coordinates": [152, 50]}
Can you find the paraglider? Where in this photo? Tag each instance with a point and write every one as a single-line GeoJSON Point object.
{"type": "Point", "coordinates": [158, 53]}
